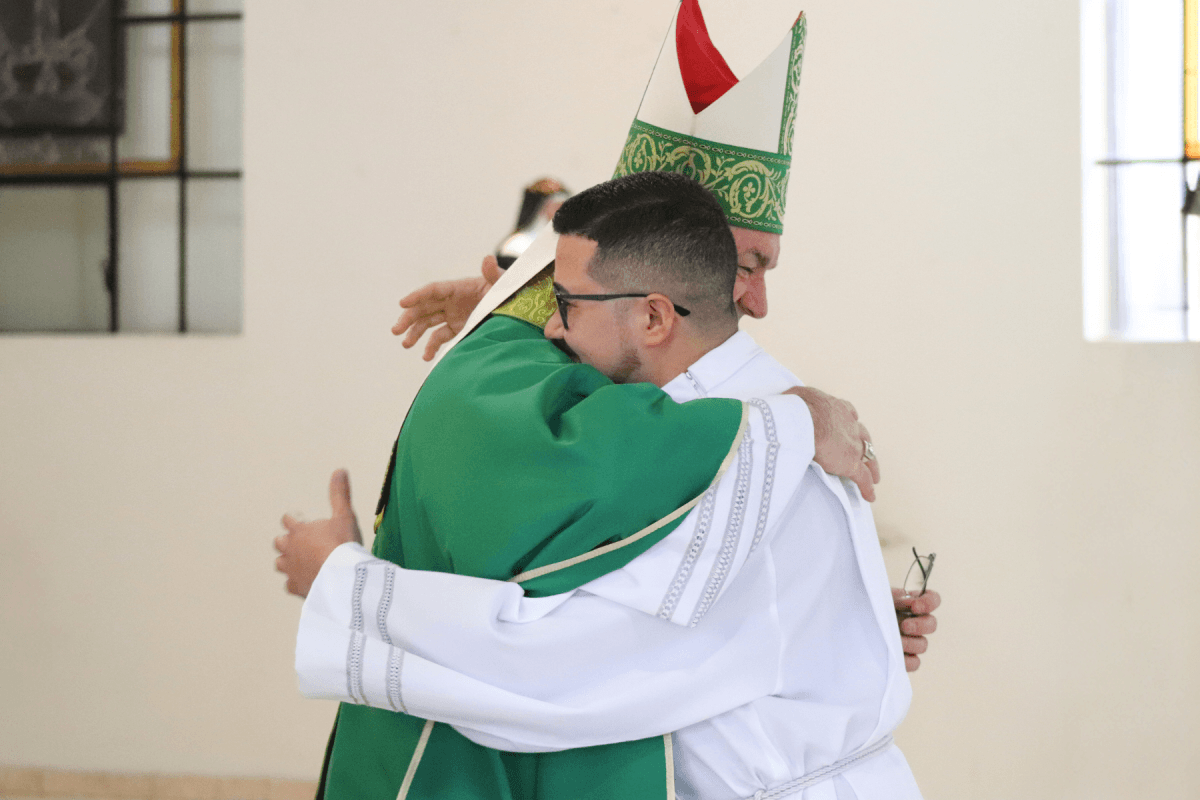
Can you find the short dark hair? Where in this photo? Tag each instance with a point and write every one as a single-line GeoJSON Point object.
{"type": "Point", "coordinates": [658, 232]}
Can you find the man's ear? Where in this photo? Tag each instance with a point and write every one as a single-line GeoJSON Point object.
{"type": "Point", "coordinates": [660, 321]}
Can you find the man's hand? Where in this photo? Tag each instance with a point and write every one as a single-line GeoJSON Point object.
{"type": "Point", "coordinates": [915, 615]}
{"type": "Point", "coordinates": [444, 303]}
{"type": "Point", "coordinates": [306, 545]}
{"type": "Point", "coordinates": [840, 439]}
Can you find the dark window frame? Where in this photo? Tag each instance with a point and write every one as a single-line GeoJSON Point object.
{"type": "Point", "coordinates": [116, 170]}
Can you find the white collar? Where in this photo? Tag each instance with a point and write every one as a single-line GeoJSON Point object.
{"type": "Point", "coordinates": [713, 368]}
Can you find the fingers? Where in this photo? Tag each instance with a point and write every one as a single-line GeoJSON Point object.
{"type": "Point", "coordinates": [422, 306]}
{"type": "Point", "coordinates": [422, 325]}
{"type": "Point", "coordinates": [917, 611]}
{"type": "Point", "coordinates": [872, 464]}
{"type": "Point", "coordinates": [432, 293]}
{"type": "Point", "coordinates": [415, 329]}
{"type": "Point", "coordinates": [281, 542]}
{"type": "Point", "coordinates": [289, 522]}
{"type": "Point", "coordinates": [339, 493]}
{"type": "Point", "coordinates": [873, 468]}
{"type": "Point", "coordinates": [436, 340]}
{"type": "Point", "coordinates": [491, 269]}
{"type": "Point", "coordinates": [863, 478]}
{"type": "Point", "coordinates": [406, 319]}
{"type": "Point", "coordinates": [914, 645]}
{"type": "Point", "coordinates": [919, 626]}
{"type": "Point", "coordinates": [839, 438]}
{"type": "Point", "coordinates": [926, 603]}
{"type": "Point", "coordinates": [911, 663]}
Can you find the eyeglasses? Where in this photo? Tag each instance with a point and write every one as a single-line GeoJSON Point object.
{"type": "Point", "coordinates": [918, 574]}
{"type": "Point", "coordinates": [564, 299]}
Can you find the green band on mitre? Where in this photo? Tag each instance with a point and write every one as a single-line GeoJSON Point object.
{"type": "Point", "coordinates": [751, 185]}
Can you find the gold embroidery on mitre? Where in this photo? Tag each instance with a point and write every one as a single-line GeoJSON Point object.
{"type": "Point", "coordinates": [751, 185]}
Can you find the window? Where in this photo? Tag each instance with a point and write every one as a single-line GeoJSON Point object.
{"type": "Point", "coordinates": [120, 165]}
{"type": "Point", "coordinates": [1140, 159]}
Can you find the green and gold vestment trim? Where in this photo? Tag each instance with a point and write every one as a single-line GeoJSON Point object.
{"type": "Point", "coordinates": [751, 185]}
{"type": "Point", "coordinates": [534, 304]}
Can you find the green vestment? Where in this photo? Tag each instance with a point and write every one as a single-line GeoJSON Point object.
{"type": "Point", "coordinates": [512, 461]}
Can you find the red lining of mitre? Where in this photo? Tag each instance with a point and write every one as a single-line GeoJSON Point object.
{"type": "Point", "coordinates": [706, 76]}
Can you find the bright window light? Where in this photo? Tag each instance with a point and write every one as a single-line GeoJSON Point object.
{"type": "Point", "coordinates": [1139, 103]}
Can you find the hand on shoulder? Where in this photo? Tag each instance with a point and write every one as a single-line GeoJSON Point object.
{"type": "Point", "coordinates": [843, 443]}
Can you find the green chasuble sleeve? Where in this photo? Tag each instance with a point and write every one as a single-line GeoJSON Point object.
{"type": "Point", "coordinates": [515, 462]}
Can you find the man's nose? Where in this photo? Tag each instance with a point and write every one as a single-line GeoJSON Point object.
{"type": "Point", "coordinates": [554, 327]}
{"type": "Point", "coordinates": [753, 301]}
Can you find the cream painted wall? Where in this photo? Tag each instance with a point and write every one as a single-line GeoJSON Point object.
{"type": "Point", "coordinates": [931, 273]}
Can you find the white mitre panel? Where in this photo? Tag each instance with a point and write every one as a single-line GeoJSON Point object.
{"type": "Point", "coordinates": [749, 114]}
{"type": "Point", "coordinates": [665, 103]}
{"type": "Point", "coordinates": [745, 32]}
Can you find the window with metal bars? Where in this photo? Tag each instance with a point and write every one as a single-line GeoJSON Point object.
{"type": "Point", "coordinates": [1141, 153]}
{"type": "Point", "coordinates": [130, 221]}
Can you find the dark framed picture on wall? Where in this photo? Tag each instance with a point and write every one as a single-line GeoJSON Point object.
{"type": "Point", "coordinates": [61, 67]}
{"type": "Point", "coordinates": [120, 166]}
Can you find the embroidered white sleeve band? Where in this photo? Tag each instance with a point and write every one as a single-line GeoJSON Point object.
{"type": "Point", "coordinates": [681, 577]}
{"type": "Point", "coordinates": [462, 648]}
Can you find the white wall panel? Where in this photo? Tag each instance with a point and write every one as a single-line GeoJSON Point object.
{"type": "Point", "coordinates": [214, 272]}
{"type": "Point", "coordinates": [214, 74]}
{"type": "Point", "coordinates": [148, 242]}
{"type": "Point", "coordinates": [147, 135]}
{"type": "Point", "coordinates": [53, 248]}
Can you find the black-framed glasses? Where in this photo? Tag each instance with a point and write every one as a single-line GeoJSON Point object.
{"type": "Point", "coordinates": [563, 299]}
{"type": "Point", "coordinates": [917, 578]}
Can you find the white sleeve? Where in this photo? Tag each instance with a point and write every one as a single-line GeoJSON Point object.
{"type": "Point", "coordinates": [681, 577]}
{"type": "Point", "coordinates": [597, 665]}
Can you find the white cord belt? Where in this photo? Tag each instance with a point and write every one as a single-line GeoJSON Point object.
{"type": "Point", "coordinates": [824, 773]}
